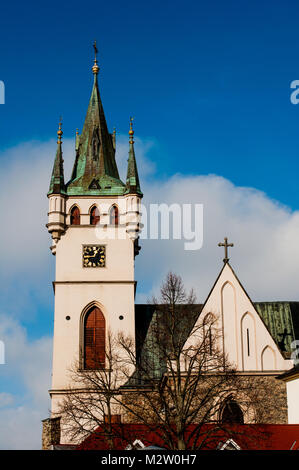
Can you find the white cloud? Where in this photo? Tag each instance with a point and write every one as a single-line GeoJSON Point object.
{"type": "Point", "coordinates": [265, 253]}
{"type": "Point", "coordinates": [6, 399]}
{"type": "Point", "coordinates": [28, 365]}
{"type": "Point", "coordinates": [20, 428]}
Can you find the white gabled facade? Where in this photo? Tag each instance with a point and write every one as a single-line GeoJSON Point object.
{"type": "Point", "coordinates": [245, 338]}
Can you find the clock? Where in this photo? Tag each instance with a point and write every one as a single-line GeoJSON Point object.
{"type": "Point", "coordinates": [94, 256]}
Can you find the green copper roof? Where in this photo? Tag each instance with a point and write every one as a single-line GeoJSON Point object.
{"type": "Point", "coordinates": [132, 182]}
{"type": "Point", "coordinates": [149, 323]}
{"type": "Point", "coordinates": [57, 185]}
{"type": "Point", "coordinates": [282, 321]}
{"type": "Point", "coordinates": [95, 171]}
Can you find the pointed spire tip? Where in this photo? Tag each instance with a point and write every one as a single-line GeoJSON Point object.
{"type": "Point", "coordinates": [59, 132]}
{"type": "Point", "coordinates": [131, 132]}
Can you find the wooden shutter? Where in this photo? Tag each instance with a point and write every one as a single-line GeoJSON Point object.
{"type": "Point", "coordinates": [94, 216]}
{"type": "Point", "coordinates": [75, 216]}
{"type": "Point", "coordinates": [94, 339]}
{"type": "Point", "coordinates": [114, 215]}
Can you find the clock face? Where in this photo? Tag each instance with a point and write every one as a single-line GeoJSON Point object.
{"type": "Point", "coordinates": [94, 256]}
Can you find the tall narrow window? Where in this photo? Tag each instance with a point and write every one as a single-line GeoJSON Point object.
{"type": "Point", "coordinates": [210, 342]}
{"type": "Point", "coordinates": [248, 345]}
{"type": "Point", "coordinates": [94, 339]}
{"type": "Point", "coordinates": [114, 215]}
{"type": "Point", "coordinates": [75, 216]}
{"type": "Point", "coordinates": [94, 216]}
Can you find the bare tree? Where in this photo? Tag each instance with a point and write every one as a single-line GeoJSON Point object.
{"type": "Point", "coordinates": [179, 386]}
{"type": "Point", "coordinates": [92, 402]}
{"type": "Point", "coordinates": [185, 387]}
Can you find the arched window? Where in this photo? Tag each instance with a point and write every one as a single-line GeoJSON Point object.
{"type": "Point", "coordinates": [94, 216]}
{"type": "Point", "coordinates": [114, 215]}
{"type": "Point", "coordinates": [231, 412]}
{"type": "Point", "coordinates": [75, 216]}
{"type": "Point", "coordinates": [94, 339]}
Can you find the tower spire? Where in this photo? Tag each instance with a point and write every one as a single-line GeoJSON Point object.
{"type": "Point", "coordinates": [57, 185]}
{"type": "Point", "coordinates": [95, 170]}
{"type": "Point", "coordinates": [132, 182]}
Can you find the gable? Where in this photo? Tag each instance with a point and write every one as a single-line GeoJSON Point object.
{"type": "Point", "coordinates": [251, 340]}
{"type": "Point", "coordinates": [272, 326]}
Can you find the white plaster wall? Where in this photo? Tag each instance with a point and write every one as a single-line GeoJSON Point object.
{"type": "Point", "coordinates": [293, 401]}
{"type": "Point", "coordinates": [248, 334]}
{"type": "Point", "coordinates": [114, 300]}
{"type": "Point", "coordinates": [69, 264]}
{"type": "Point", "coordinates": [229, 302]}
{"type": "Point", "coordinates": [112, 287]}
{"type": "Point", "coordinates": [229, 310]}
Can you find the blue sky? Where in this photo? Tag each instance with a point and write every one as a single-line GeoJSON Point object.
{"type": "Point", "coordinates": [208, 80]}
{"type": "Point", "coordinates": [209, 86]}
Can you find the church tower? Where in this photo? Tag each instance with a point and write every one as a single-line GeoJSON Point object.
{"type": "Point", "coordinates": [94, 224]}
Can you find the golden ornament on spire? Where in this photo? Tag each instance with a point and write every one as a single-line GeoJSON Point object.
{"type": "Point", "coordinates": [95, 68]}
{"type": "Point", "coordinates": [131, 132]}
{"type": "Point", "coordinates": [59, 132]}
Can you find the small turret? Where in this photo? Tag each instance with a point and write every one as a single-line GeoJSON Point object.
{"type": "Point", "coordinates": [57, 185]}
{"type": "Point", "coordinates": [132, 182]}
{"type": "Point", "coordinates": [57, 195]}
{"type": "Point", "coordinates": [133, 194]}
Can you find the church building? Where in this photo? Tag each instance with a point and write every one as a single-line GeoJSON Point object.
{"type": "Point", "coordinates": [94, 222]}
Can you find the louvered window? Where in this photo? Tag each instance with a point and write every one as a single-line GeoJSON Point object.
{"type": "Point", "coordinates": [94, 216]}
{"type": "Point", "coordinates": [75, 216]}
{"type": "Point", "coordinates": [114, 215]}
{"type": "Point", "coordinates": [94, 339]}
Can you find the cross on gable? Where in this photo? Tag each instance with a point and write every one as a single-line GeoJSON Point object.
{"type": "Point", "coordinates": [226, 245]}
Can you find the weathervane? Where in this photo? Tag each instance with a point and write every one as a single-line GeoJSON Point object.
{"type": "Point", "coordinates": [95, 50]}
{"type": "Point", "coordinates": [95, 67]}
{"type": "Point", "coordinates": [226, 245]}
